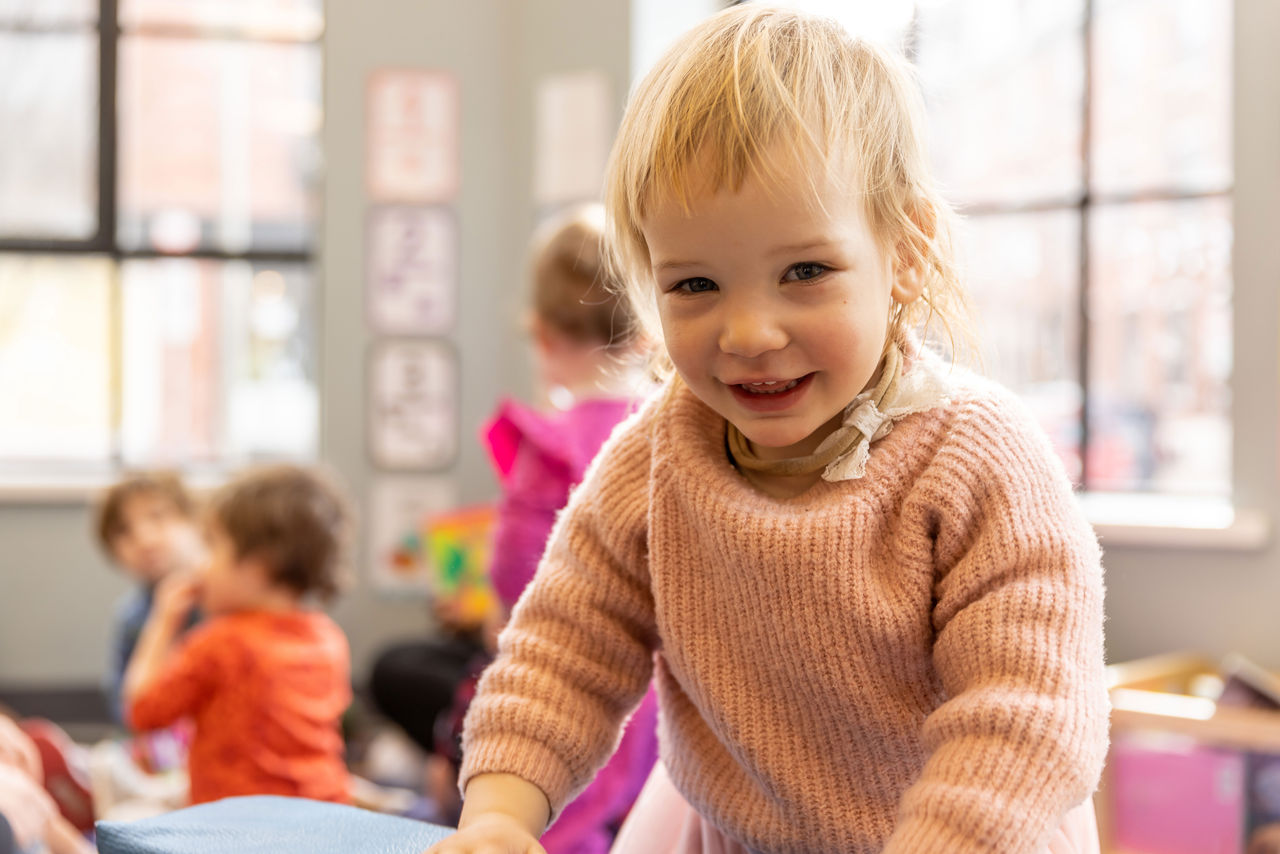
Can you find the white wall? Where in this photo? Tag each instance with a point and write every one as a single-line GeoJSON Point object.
{"type": "Point", "coordinates": [56, 595]}
{"type": "Point", "coordinates": [473, 40]}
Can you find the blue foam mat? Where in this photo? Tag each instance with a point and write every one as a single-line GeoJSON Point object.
{"type": "Point", "coordinates": [267, 824]}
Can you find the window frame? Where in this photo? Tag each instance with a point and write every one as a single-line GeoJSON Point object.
{"type": "Point", "coordinates": [1138, 519]}
{"type": "Point", "coordinates": [1145, 519]}
{"type": "Point", "coordinates": [1084, 204]}
{"type": "Point", "coordinates": [105, 244]}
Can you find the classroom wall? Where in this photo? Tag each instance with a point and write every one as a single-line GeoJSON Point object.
{"type": "Point", "coordinates": [476, 45]}
{"type": "Point", "coordinates": [55, 591]}
{"type": "Point", "coordinates": [56, 595]}
{"type": "Point", "coordinates": [499, 49]}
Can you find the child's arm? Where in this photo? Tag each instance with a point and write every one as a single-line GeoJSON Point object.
{"type": "Point", "coordinates": [576, 657]}
{"type": "Point", "coordinates": [26, 807]}
{"type": "Point", "coordinates": [170, 678]}
{"type": "Point", "coordinates": [62, 838]}
{"type": "Point", "coordinates": [175, 597]}
{"type": "Point", "coordinates": [1022, 735]}
{"type": "Point", "coordinates": [18, 750]}
{"type": "Point", "coordinates": [502, 813]}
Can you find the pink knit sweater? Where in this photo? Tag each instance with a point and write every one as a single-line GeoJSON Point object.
{"type": "Point", "coordinates": [908, 662]}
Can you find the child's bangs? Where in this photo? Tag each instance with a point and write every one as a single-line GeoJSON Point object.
{"type": "Point", "coordinates": [750, 104]}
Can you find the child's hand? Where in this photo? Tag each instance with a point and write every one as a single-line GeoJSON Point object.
{"type": "Point", "coordinates": [25, 805]}
{"type": "Point", "coordinates": [492, 833]}
{"type": "Point", "coordinates": [176, 595]}
{"type": "Point", "coordinates": [19, 751]}
{"type": "Point", "coordinates": [502, 814]}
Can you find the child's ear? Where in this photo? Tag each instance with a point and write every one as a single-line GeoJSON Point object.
{"type": "Point", "coordinates": [908, 284]}
{"type": "Point", "coordinates": [543, 336]}
{"type": "Point", "coordinates": [908, 267]}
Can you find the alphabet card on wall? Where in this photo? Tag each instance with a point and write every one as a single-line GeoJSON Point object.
{"type": "Point", "coordinates": [399, 558]}
{"type": "Point", "coordinates": [574, 124]}
{"type": "Point", "coordinates": [411, 135]}
{"type": "Point", "coordinates": [412, 270]}
{"type": "Point", "coordinates": [413, 405]}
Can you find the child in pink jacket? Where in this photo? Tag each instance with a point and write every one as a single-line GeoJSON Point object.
{"type": "Point", "coordinates": [582, 335]}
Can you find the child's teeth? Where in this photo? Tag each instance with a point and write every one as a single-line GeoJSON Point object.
{"type": "Point", "coordinates": [770, 387]}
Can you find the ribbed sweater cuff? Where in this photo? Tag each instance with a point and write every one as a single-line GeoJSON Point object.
{"type": "Point", "coordinates": [924, 836]}
{"type": "Point", "coordinates": [528, 759]}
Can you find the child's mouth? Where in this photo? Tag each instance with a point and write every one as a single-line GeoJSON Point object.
{"type": "Point", "coordinates": [772, 395]}
{"type": "Point", "coordinates": [770, 387]}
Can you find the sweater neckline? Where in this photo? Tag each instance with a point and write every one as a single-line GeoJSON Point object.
{"type": "Point", "coordinates": [694, 436]}
{"type": "Point", "coordinates": [696, 439]}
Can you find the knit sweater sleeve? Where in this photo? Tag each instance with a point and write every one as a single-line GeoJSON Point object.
{"type": "Point", "coordinates": [1022, 734]}
{"type": "Point", "coordinates": [576, 657]}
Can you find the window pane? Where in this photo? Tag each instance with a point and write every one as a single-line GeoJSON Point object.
{"type": "Point", "coordinates": [218, 362]}
{"type": "Point", "coordinates": [49, 166]}
{"type": "Point", "coordinates": [1024, 280]}
{"type": "Point", "coordinates": [1160, 351]}
{"type": "Point", "coordinates": [218, 144]}
{"type": "Point", "coordinates": [1161, 107]}
{"type": "Point", "coordinates": [269, 349]}
{"type": "Point", "coordinates": [1003, 80]}
{"type": "Point", "coordinates": [300, 19]}
{"type": "Point", "coordinates": [55, 353]}
{"type": "Point", "coordinates": [48, 13]}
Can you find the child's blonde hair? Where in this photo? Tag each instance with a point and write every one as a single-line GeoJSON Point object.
{"type": "Point", "coordinates": [755, 89]}
{"type": "Point", "coordinates": [572, 291]}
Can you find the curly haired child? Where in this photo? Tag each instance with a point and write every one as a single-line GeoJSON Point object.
{"type": "Point", "coordinates": [265, 678]}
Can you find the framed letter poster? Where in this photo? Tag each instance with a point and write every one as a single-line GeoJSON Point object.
{"type": "Point", "coordinates": [411, 136]}
{"type": "Point", "coordinates": [411, 281]}
{"type": "Point", "coordinates": [413, 405]}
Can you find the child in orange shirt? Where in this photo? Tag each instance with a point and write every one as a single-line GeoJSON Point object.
{"type": "Point", "coordinates": [264, 678]}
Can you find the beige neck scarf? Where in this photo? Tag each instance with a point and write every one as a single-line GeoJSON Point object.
{"type": "Point", "coordinates": [846, 437]}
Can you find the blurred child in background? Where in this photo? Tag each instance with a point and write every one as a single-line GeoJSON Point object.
{"type": "Point", "coordinates": [146, 525]}
{"type": "Point", "coordinates": [265, 678]}
{"type": "Point", "coordinates": [584, 344]}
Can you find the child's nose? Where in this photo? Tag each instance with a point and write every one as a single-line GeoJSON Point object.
{"type": "Point", "coordinates": [751, 328]}
{"type": "Point", "coordinates": [148, 535]}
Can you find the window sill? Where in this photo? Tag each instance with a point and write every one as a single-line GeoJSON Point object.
{"type": "Point", "coordinates": [1164, 521]}
{"type": "Point", "coordinates": [78, 489]}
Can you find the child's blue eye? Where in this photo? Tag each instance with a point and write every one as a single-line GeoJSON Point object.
{"type": "Point", "coordinates": [802, 272]}
{"type": "Point", "coordinates": [697, 285]}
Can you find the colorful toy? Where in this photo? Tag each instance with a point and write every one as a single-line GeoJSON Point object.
{"type": "Point", "coordinates": [458, 548]}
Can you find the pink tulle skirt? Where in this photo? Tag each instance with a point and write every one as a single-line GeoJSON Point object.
{"type": "Point", "coordinates": [662, 820]}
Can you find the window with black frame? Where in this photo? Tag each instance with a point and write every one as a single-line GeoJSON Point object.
{"type": "Point", "coordinates": [1088, 145]}
{"type": "Point", "coordinates": [158, 204]}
